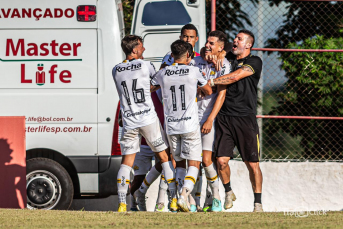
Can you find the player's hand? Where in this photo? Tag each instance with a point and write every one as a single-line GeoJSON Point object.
{"type": "Point", "coordinates": [220, 59]}
{"type": "Point", "coordinates": [200, 93]}
{"type": "Point", "coordinates": [206, 127]}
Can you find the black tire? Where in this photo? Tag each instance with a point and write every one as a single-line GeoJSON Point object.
{"type": "Point", "coordinates": [48, 185]}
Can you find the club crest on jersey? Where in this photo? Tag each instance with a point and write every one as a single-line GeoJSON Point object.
{"type": "Point", "coordinates": [180, 72]}
{"type": "Point", "coordinates": [212, 73]}
{"type": "Point", "coordinates": [132, 67]}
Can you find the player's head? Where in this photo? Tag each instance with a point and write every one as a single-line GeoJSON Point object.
{"type": "Point", "coordinates": [243, 42]}
{"type": "Point", "coordinates": [189, 33]}
{"type": "Point", "coordinates": [215, 42]}
{"type": "Point", "coordinates": [182, 51]}
{"type": "Point", "coordinates": [132, 45]}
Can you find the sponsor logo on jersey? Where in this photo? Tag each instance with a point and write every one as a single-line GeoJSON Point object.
{"type": "Point", "coordinates": [132, 67]}
{"type": "Point", "coordinates": [130, 114]}
{"type": "Point", "coordinates": [135, 167]}
{"type": "Point", "coordinates": [157, 142]}
{"type": "Point", "coordinates": [180, 72]}
{"type": "Point", "coordinates": [178, 119]}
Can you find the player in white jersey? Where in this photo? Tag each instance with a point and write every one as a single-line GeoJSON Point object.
{"type": "Point", "coordinates": [179, 86]}
{"type": "Point", "coordinates": [189, 34]}
{"type": "Point", "coordinates": [208, 108]}
{"type": "Point", "coordinates": [132, 79]}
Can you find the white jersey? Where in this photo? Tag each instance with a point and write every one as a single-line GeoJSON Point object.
{"type": "Point", "coordinates": [205, 105]}
{"type": "Point", "coordinates": [179, 87]}
{"type": "Point", "coordinates": [132, 79]}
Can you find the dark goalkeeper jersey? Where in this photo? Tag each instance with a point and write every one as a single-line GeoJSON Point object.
{"type": "Point", "coordinates": [241, 97]}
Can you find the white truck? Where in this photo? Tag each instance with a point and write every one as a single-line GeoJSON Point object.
{"type": "Point", "coordinates": [56, 59]}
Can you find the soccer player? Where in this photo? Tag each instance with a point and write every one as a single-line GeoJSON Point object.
{"type": "Point", "coordinates": [208, 108]}
{"type": "Point", "coordinates": [189, 34]}
{"type": "Point", "coordinates": [142, 164]}
{"type": "Point", "coordinates": [132, 79]}
{"type": "Point", "coordinates": [179, 86]}
{"type": "Point", "coordinates": [236, 123]}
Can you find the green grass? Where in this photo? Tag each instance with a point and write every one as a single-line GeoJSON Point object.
{"type": "Point", "coordinates": [138, 220]}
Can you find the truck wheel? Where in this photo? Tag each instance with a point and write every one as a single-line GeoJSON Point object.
{"type": "Point", "coordinates": [48, 185]}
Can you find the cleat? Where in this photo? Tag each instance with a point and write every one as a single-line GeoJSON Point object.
{"type": "Point", "coordinates": [258, 207]}
{"type": "Point", "coordinates": [122, 207]}
{"type": "Point", "coordinates": [133, 205]}
{"type": "Point", "coordinates": [207, 208]}
{"type": "Point", "coordinates": [229, 198]}
{"type": "Point", "coordinates": [173, 205]}
{"type": "Point", "coordinates": [134, 209]}
{"type": "Point", "coordinates": [216, 205]}
{"type": "Point", "coordinates": [199, 209]}
{"type": "Point", "coordinates": [159, 207]}
{"type": "Point", "coordinates": [193, 208]}
{"type": "Point", "coordinates": [140, 199]}
{"type": "Point", "coordinates": [182, 203]}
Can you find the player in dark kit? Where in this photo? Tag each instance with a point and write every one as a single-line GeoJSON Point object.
{"type": "Point", "coordinates": [236, 123]}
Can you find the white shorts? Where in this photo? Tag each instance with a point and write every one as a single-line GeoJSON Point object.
{"type": "Point", "coordinates": [154, 135]}
{"type": "Point", "coordinates": [142, 164]}
{"type": "Point", "coordinates": [207, 140]}
{"type": "Point", "coordinates": [186, 146]}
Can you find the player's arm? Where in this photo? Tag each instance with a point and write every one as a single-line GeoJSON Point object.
{"type": "Point", "coordinates": [154, 88]}
{"type": "Point", "coordinates": [206, 89]}
{"type": "Point", "coordinates": [207, 126]}
{"type": "Point", "coordinates": [233, 77]}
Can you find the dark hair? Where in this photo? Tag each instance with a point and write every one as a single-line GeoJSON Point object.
{"type": "Point", "coordinates": [180, 48]}
{"type": "Point", "coordinates": [249, 33]}
{"type": "Point", "coordinates": [220, 35]}
{"type": "Point", "coordinates": [129, 42]}
{"type": "Point", "coordinates": [189, 27]}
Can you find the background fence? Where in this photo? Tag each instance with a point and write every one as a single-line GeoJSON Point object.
{"type": "Point", "coordinates": [301, 91]}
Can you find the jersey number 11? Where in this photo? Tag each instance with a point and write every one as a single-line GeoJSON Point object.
{"type": "Point", "coordinates": [183, 103]}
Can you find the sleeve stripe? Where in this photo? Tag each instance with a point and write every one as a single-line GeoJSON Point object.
{"type": "Point", "coordinates": [252, 69]}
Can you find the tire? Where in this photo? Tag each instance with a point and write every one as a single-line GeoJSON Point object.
{"type": "Point", "coordinates": [48, 185]}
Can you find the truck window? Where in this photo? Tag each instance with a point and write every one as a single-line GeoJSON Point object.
{"type": "Point", "coordinates": [165, 13]}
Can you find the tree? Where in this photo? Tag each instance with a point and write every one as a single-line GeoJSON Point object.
{"type": "Point", "coordinates": [230, 17]}
{"type": "Point", "coordinates": [314, 88]}
{"type": "Point", "coordinates": [306, 19]}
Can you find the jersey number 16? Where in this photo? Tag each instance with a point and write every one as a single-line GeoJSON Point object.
{"type": "Point", "coordinates": [135, 92]}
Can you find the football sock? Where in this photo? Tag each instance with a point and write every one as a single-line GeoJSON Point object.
{"type": "Point", "coordinates": [180, 177]}
{"type": "Point", "coordinates": [162, 189]}
{"type": "Point", "coordinates": [212, 179]}
{"type": "Point", "coordinates": [169, 175]}
{"type": "Point", "coordinates": [227, 187]}
{"type": "Point", "coordinates": [190, 179]}
{"type": "Point", "coordinates": [208, 199]}
{"type": "Point", "coordinates": [123, 181]}
{"type": "Point", "coordinates": [258, 198]}
{"type": "Point", "coordinates": [191, 200]}
{"type": "Point", "coordinates": [198, 189]}
{"type": "Point", "coordinates": [149, 179]}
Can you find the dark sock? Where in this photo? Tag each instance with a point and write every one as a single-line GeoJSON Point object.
{"type": "Point", "coordinates": [227, 187]}
{"type": "Point", "coordinates": [258, 197]}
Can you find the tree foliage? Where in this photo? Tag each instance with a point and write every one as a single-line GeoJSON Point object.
{"type": "Point", "coordinates": [230, 17]}
{"type": "Point", "coordinates": [306, 19]}
{"type": "Point", "coordinates": [314, 88]}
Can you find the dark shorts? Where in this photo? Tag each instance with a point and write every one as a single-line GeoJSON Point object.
{"type": "Point", "coordinates": [242, 132]}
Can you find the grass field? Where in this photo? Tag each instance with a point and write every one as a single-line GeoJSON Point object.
{"type": "Point", "coordinates": [138, 220]}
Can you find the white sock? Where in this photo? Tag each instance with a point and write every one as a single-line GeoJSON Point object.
{"type": "Point", "coordinates": [212, 179]}
{"type": "Point", "coordinates": [208, 199]}
{"type": "Point", "coordinates": [198, 190]}
{"type": "Point", "coordinates": [162, 189]}
{"type": "Point", "coordinates": [190, 179]}
{"type": "Point", "coordinates": [180, 178]}
{"type": "Point", "coordinates": [149, 179]}
{"type": "Point", "coordinates": [123, 181]}
{"type": "Point", "coordinates": [169, 175]}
